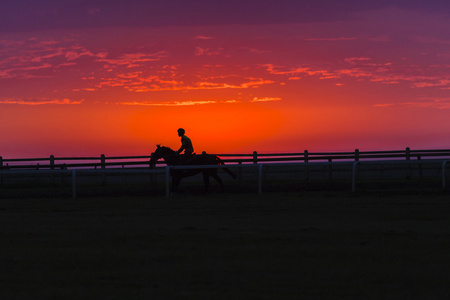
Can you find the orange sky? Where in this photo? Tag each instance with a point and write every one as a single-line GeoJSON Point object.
{"type": "Point", "coordinates": [372, 80]}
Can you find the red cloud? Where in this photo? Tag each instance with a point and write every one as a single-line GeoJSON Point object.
{"type": "Point", "coordinates": [134, 59]}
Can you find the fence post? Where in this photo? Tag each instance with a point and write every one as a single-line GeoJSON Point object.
{"type": "Point", "coordinates": [1, 168]}
{"type": "Point", "coordinates": [103, 166]}
{"type": "Point", "coordinates": [419, 158]}
{"type": "Point", "coordinates": [408, 153]}
{"type": "Point", "coordinates": [408, 157]}
{"type": "Point", "coordinates": [74, 184]}
{"type": "Point", "coordinates": [306, 159]}
{"type": "Point", "coordinates": [152, 175]}
{"type": "Point", "coordinates": [103, 161]}
{"type": "Point", "coordinates": [356, 154]}
{"type": "Point", "coordinates": [167, 181]}
{"type": "Point", "coordinates": [354, 170]}
{"type": "Point", "coordinates": [149, 165]}
{"type": "Point", "coordinates": [240, 174]}
{"type": "Point", "coordinates": [260, 178]}
{"type": "Point", "coordinates": [255, 157]}
{"type": "Point", "coordinates": [330, 169]}
{"type": "Point", "coordinates": [444, 163]}
{"type": "Point", "coordinates": [52, 167]}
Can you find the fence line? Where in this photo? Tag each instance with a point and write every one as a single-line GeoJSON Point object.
{"type": "Point", "coordinates": [260, 170]}
{"type": "Point", "coordinates": [442, 163]}
{"type": "Point", "coordinates": [104, 162]}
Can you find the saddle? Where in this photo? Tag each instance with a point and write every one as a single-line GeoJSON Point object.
{"type": "Point", "coordinates": [187, 159]}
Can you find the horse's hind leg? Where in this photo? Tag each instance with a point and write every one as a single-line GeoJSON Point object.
{"type": "Point", "coordinates": [231, 173]}
{"type": "Point", "coordinates": [217, 178]}
{"type": "Point", "coordinates": [206, 180]}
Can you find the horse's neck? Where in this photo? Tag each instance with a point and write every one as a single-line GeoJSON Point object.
{"type": "Point", "coordinates": [169, 160]}
{"type": "Point", "coordinates": [170, 157]}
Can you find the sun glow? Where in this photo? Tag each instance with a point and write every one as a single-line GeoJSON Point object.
{"type": "Point", "coordinates": [217, 128]}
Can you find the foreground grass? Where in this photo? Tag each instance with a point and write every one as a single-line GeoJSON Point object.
{"type": "Point", "coordinates": [223, 246]}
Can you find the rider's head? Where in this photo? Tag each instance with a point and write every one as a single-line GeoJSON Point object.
{"type": "Point", "coordinates": [180, 131]}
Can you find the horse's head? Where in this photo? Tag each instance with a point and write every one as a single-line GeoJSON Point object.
{"type": "Point", "coordinates": [160, 152]}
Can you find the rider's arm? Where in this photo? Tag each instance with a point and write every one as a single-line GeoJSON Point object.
{"type": "Point", "coordinates": [181, 149]}
{"type": "Point", "coordinates": [183, 146]}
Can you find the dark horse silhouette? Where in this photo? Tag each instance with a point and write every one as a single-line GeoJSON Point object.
{"type": "Point", "coordinates": [171, 158]}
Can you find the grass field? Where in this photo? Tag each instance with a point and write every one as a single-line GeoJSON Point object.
{"type": "Point", "coordinates": [302, 245]}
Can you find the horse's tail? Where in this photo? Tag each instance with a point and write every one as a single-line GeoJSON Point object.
{"type": "Point", "coordinates": [220, 162]}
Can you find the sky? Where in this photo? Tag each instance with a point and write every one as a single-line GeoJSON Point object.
{"type": "Point", "coordinates": [83, 78]}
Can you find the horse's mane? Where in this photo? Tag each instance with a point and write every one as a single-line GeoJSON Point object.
{"type": "Point", "coordinates": [166, 148]}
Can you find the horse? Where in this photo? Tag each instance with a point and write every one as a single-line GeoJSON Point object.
{"type": "Point", "coordinates": [172, 158]}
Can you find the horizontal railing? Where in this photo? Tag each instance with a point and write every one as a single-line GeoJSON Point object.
{"type": "Point", "coordinates": [260, 171]}
{"type": "Point", "coordinates": [103, 162]}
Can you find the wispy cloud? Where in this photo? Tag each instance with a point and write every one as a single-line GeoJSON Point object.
{"type": "Point", "coordinates": [85, 89]}
{"type": "Point", "coordinates": [265, 99]}
{"type": "Point", "coordinates": [305, 70]}
{"type": "Point", "coordinates": [434, 82]}
{"type": "Point", "coordinates": [250, 83]}
{"type": "Point", "coordinates": [23, 71]}
{"type": "Point", "coordinates": [431, 40]}
{"type": "Point", "coordinates": [134, 59]}
{"type": "Point", "coordinates": [38, 101]}
{"type": "Point", "coordinates": [353, 60]}
{"type": "Point", "coordinates": [77, 52]}
{"type": "Point", "coordinates": [380, 38]}
{"type": "Point", "coordinates": [275, 70]}
{"type": "Point", "coordinates": [207, 51]}
{"type": "Point", "coordinates": [436, 103]}
{"type": "Point", "coordinates": [203, 37]}
{"type": "Point", "coordinates": [353, 72]}
{"type": "Point", "coordinates": [21, 59]}
{"type": "Point", "coordinates": [177, 103]}
{"type": "Point", "coordinates": [365, 68]}
{"type": "Point", "coordinates": [383, 105]}
{"type": "Point", "coordinates": [169, 80]}
{"type": "Point", "coordinates": [331, 39]}
{"type": "Point", "coordinates": [255, 51]}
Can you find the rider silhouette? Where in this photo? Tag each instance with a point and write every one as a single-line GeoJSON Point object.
{"type": "Point", "coordinates": [186, 145]}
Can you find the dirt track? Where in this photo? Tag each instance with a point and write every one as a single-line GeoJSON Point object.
{"type": "Point", "coordinates": [274, 246]}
